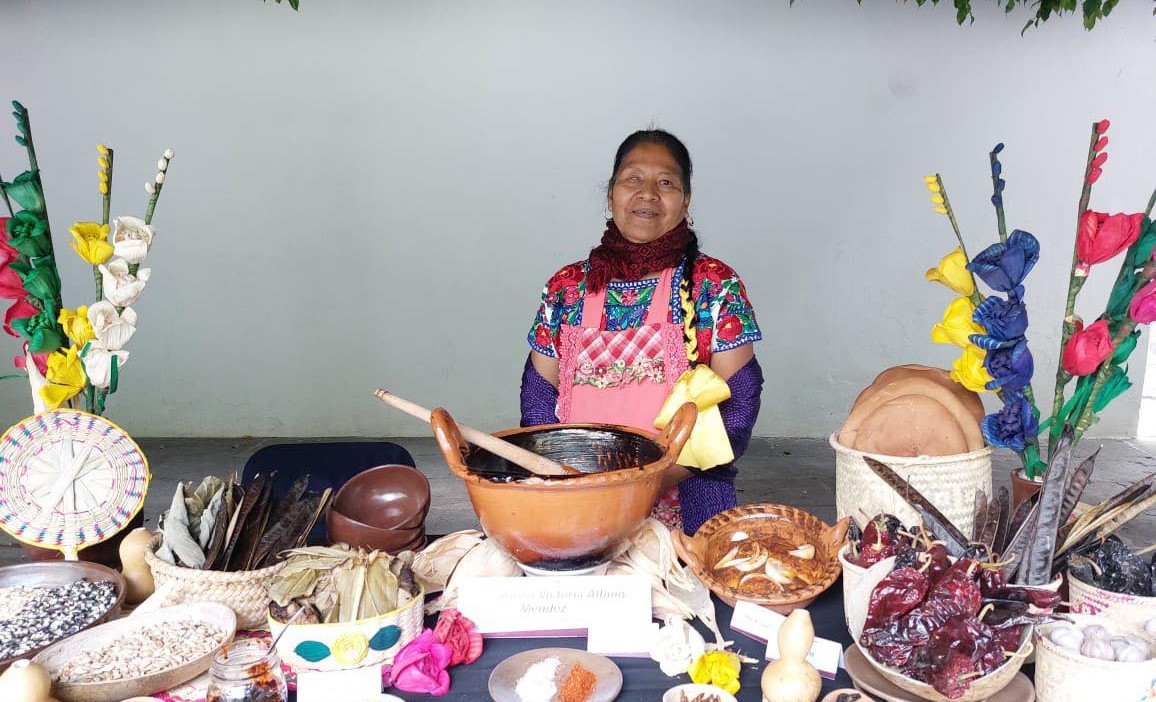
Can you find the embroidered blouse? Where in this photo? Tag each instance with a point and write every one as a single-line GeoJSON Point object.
{"type": "Point", "coordinates": [724, 319]}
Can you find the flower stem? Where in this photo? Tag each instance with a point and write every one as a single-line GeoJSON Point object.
{"type": "Point", "coordinates": [106, 201]}
{"type": "Point", "coordinates": [4, 196]}
{"type": "Point", "coordinates": [975, 296]}
{"type": "Point", "coordinates": [1075, 282]}
{"type": "Point", "coordinates": [1151, 204]}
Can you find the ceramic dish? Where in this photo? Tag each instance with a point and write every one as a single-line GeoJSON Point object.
{"type": "Point", "coordinates": [507, 673]}
{"type": "Point", "coordinates": [692, 691]}
{"type": "Point", "coordinates": [55, 656]}
{"type": "Point", "coordinates": [868, 679]}
{"type": "Point", "coordinates": [777, 528]}
{"type": "Point", "coordinates": [55, 574]}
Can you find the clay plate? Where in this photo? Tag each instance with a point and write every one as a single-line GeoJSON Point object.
{"type": "Point", "coordinates": [868, 679]}
{"type": "Point", "coordinates": [508, 672]}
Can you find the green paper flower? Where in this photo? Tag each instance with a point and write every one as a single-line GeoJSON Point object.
{"type": "Point", "coordinates": [1113, 387]}
{"type": "Point", "coordinates": [43, 282]}
{"type": "Point", "coordinates": [26, 234]}
{"type": "Point", "coordinates": [24, 190]}
{"type": "Point", "coordinates": [42, 330]}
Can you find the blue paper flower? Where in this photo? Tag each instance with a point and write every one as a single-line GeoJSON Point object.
{"type": "Point", "coordinates": [1004, 266]}
{"type": "Point", "coordinates": [1010, 368]}
{"type": "Point", "coordinates": [1013, 426]}
{"type": "Point", "coordinates": [1006, 321]}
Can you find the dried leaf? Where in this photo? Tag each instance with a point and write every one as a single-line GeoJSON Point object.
{"type": "Point", "coordinates": [253, 496]}
{"type": "Point", "coordinates": [307, 527]}
{"type": "Point", "coordinates": [283, 590]}
{"type": "Point", "coordinates": [176, 533]}
{"type": "Point", "coordinates": [1002, 507]}
{"type": "Point", "coordinates": [284, 533]}
{"type": "Point", "coordinates": [381, 585]}
{"type": "Point", "coordinates": [979, 515]}
{"type": "Point", "coordinates": [209, 519]}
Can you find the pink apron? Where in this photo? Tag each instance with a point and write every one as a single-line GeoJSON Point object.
{"type": "Point", "coordinates": [623, 377]}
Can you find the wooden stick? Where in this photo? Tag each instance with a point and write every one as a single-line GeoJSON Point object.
{"type": "Point", "coordinates": [539, 465]}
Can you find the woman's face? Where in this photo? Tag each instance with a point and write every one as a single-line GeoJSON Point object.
{"type": "Point", "coordinates": [646, 200]}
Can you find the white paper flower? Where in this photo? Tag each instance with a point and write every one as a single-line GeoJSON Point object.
{"type": "Point", "coordinates": [112, 330]}
{"type": "Point", "coordinates": [37, 381]}
{"type": "Point", "coordinates": [676, 646]}
{"type": "Point", "coordinates": [131, 238]}
{"type": "Point", "coordinates": [98, 364]}
{"type": "Point", "coordinates": [120, 287]}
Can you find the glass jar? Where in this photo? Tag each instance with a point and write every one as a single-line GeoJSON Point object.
{"type": "Point", "coordinates": [247, 671]}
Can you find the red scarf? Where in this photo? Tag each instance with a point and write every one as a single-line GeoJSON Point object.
{"type": "Point", "coordinates": [618, 258]}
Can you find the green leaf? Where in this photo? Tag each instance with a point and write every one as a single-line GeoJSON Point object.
{"type": "Point", "coordinates": [1141, 252]}
{"type": "Point", "coordinates": [1113, 387]}
{"type": "Point", "coordinates": [385, 638]}
{"type": "Point", "coordinates": [20, 140]}
{"type": "Point", "coordinates": [293, 4]}
{"type": "Point", "coordinates": [312, 651]}
{"type": "Point", "coordinates": [1125, 349]}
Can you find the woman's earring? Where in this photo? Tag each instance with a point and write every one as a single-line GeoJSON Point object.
{"type": "Point", "coordinates": [689, 219]}
{"type": "Point", "coordinates": [607, 214]}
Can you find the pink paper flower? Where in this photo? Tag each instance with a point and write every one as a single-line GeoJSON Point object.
{"type": "Point", "coordinates": [1142, 309]}
{"type": "Point", "coordinates": [21, 309]}
{"type": "Point", "coordinates": [420, 666]}
{"type": "Point", "coordinates": [1087, 348]}
{"type": "Point", "coordinates": [460, 634]}
{"type": "Point", "coordinates": [1102, 236]}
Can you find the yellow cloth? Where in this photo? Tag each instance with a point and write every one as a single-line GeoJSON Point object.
{"type": "Point", "coordinates": [708, 445]}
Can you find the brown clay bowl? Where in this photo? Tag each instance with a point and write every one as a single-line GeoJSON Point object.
{"type": "Point", "coordinates": [55, 574]}
{"type": "Point", "coordinates": [386, 497]}
{"type": "Point", "coordinates": [342, 529]}
{"type": "Point", "coordinates": [778, 528]}
{"type": "Point", "coordinates": [572, 521]}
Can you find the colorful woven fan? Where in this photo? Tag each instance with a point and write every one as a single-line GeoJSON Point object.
{"type": "Point", "coordinates": [69, 480]}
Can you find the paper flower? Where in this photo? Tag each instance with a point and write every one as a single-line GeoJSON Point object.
{"type": "Point", "coordinates": [98, 365]}
{"type": "Point", "coordinates": [32, 365]}
{"type": "Point", "coordinates": [113, 330]}
{"type": "Point", "coordinates": [25, 191]}
{"type": "Point", "coordinates": [1010, 368]}
{"type": "Point", "coordinates": [420, 666]}
{"type": "Point", "coordinates": [957, 325]}
{"type": "Point", "coordinates": [969, 371]}
{"type": "Point", "coordinates": [11, 287]}
{"type": "Point", "coordinates": [121, 287]}
{"type": "Point", "coordinates": [131, 239]}
{"type": "Point", "coordinates": [952, 272]}
{"type": "Point", "coordinates": [1004, 266]}
{"type": "Point", "coordinates": [28, 234]}
{"type": "Point", "coordinates": [43, 283]}
{"type": "Point", "coordinates": [1006, 321]}
{"type": "Point", "coordinates": [65, 375]}
{"type": "Point", "coordinates": [719, 668]}
{"type": "Point", "coordinates": [1142, 309]}
{"type": "Point", "coordinates": [1102, 236]}
{"type": "Point", "coordinates": [1013, 426]}
{"type": "Point", "coordinates": [21, 309]}
{"type": "Point", "coordinates": [349, 648]}
{"type": "Point", "coordinates": [676, 646]}
{"type": "Point", "coordinates": [460, 634]}
{"type": "Point", "coordinates": [90, 242]}
{"type": "Point", "coordinates": [1087, 348]}
{"type": "Point", "coordinates": [41, 330]}
{"type": "Point", "coordinates": [76, 325]}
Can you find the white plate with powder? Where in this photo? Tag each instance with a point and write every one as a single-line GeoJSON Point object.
{"type": "Point", "coordinates": [538, 675]}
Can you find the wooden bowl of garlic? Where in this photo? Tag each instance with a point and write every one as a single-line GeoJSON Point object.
{"type": "Point", "coordinates": [773, 555]}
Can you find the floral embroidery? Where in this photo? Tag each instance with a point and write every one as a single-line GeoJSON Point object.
{"type": "Point", "coordinates": [618, 373]}
{"type": "Point", "coordinates": [724, 318]}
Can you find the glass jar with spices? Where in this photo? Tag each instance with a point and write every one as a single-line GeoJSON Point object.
{"type": "Point", "coordinates": [247, 671]}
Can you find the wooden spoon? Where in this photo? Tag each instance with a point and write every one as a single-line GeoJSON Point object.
{"type": "Point", "coordinates": [536, 464]}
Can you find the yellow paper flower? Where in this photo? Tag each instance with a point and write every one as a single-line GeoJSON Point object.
{"type": "Point", "coordinates": [76, 325]}
{"type": "Point", "coordinates": [349, 648]}
{"type": "Point", "coordinates": [91, 242]}
{"type": "Point", "coordinates": [957, 326]}
{"type": "Point", "coordinates": [719, 668]}
{"type": "Point", "coordinates": [968, 369]}
{"type": "Point", "coordinates": [952, 272]}
{"type": "Point", "coordinates": [65, 376]}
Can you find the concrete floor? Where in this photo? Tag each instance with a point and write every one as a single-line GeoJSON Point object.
{"type": "Point", "coordinates": [797, 472]}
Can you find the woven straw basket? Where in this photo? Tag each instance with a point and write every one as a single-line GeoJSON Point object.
{"type": "Point", "coordinates": [1066, 676]}
{"type": "Point", "coordinates": [949, 482]}
{"type": "Point", "coordinates": [246, 592]}
{"type": "Point", "coordinates": [1131, 611]}
{"type": "Point", "coordinates": [980, 688]}
{"type": "Point", "coordinates": [852, 574]}
{"type": "Point", "coordinates": [347, 645]}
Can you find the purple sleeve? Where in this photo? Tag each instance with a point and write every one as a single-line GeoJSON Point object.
{"type": "Point", "coordinates": [539, 398]}
{"type": "Point", "coordinates": [742, 409]}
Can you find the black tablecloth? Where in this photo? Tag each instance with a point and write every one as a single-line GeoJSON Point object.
{"type": "Point", "coordinates": [642, 679]}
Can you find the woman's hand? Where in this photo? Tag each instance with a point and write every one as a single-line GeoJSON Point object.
{"type": "Point", "coordinates": [548, 367]}
{"type": "Point", "coordinates": [725, 363]}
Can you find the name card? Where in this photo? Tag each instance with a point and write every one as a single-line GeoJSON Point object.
{"type": "Point", "coordinates": [358, 685]}
{"type": "Point", "coordinates": [558, 606]}
{"type": "Point", "coordinates": [762, 624]}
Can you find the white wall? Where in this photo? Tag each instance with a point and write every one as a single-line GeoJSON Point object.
{"type": "Point", "coordinates": [371, 193]}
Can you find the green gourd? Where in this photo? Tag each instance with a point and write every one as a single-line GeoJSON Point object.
{"type": "Point", "coordinates": [792, 678]}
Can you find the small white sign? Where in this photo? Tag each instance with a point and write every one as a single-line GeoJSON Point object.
{"type": "Point", "coordinates": [558, 606]}
{"type": "Point", "coordinates": [763, 624]}
{"type": "Point", "coordinates": [358, 685]}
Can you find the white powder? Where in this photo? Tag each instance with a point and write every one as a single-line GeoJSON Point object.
{"type": "Point", "coordinates": [538, 684]}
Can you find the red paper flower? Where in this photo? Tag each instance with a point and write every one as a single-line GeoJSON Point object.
{"type": "Point", "coordinates": [460, 634]}
{"type": "Point", "coordinates": [20, 309]}
{"type": "Point", "coordinates": [1101, 236]}
{"type": "Point", "coordinates": [1142, 309]}
{"type": "Point", "coordinates": [730, 328]}
{"type": "Point", "coordinates": [11, 287]}
{"type": "Point", "coordinates": [420, 666]}
{"type": "Point", "coordinates": [1087, 348]}
{"type": "Point", "coordinates": [1102, 126]}
{"type": "Point", "coordinates": [40, 359]}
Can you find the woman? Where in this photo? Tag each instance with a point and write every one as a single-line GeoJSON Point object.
{"type": "Point", "coordinates": [614, 332]}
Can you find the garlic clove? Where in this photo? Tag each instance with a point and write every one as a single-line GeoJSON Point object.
{"type": "Point", "coordinates": [740, 536]}
{"type": "Point", "coordinates": [1095, 631]}
{"type": "Point", "coordinates": [805, 552]}
{"type": "Point", "coordinates": [1095, 647]}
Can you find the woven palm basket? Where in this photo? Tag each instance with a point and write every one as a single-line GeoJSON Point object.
{"type": "Point", "coordinates": [245, 592]}
{"type": "Point", "coordinates": [1063, 675]}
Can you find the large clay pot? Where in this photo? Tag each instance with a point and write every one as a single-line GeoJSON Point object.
{"type": "Point", "coordinates": [569, 522]}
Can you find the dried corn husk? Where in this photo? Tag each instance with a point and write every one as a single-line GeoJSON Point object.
{"type": "Point", "coordinates": [176, 533]}
{"type": "Point", "coordinates": [485, 560]}
{"type": "Point", "coordinates": [433, 565]}
{"type": "Point", "coordinates": [341, 584]}
{"type": "Point", "coordinates": [197, 499]}
{"type": "Point", "coordinates": [211, 514]}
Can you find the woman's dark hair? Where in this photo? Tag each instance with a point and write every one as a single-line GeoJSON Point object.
{"type": "Point", "coordinates": [681, 155]}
